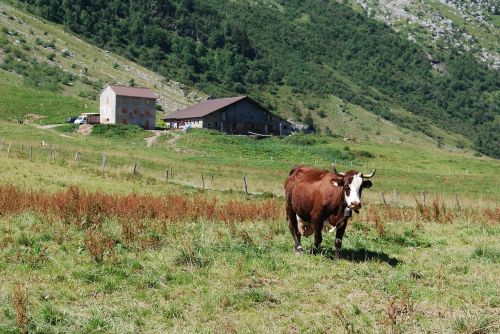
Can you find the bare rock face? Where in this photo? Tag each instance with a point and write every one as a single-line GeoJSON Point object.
{"type": "Point", "coordinates": [457, 24]}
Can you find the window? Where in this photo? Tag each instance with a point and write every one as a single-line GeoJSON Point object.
{"type": "Point", "coordinates": [148, 113]}
{"type": "Point", "coordinates": [215, 124]}
{"type": "Point", "coordinates": [271, 127]}
{"type": "Point", "coordinates": [285, 127]}
{"type": "Point", "coordinates": [124, 110]}
{"type": "Point", "coordinates": [146, 101]}
{"type": "Point", "coordinates": [209, 125]}
{"type": "Point", "coordinates": [136, 112]}
{"type": "Point", "coordinates": [136, 102]}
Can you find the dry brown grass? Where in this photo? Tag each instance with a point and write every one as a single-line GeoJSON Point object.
{"type": "Point", "coordinates": [86, 209]}
{"type": "Point", "coordinates": [99, 245]}
{"type": "Point", "coordinates": [20, 300]}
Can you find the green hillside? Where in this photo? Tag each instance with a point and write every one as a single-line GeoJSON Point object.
{"type": "Point", "coordinates": [65, 76]}
{"type": "Point", "coordinates": [49, 59]}
{"type": "Point", "coordinates": [310, 48]}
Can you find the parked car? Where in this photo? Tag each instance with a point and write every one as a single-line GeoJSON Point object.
{"type": "Point", "coordinates": [80, 120]}
{"type": "Point", "coordinates": [88, 118]}
{"type": "Point", "coordinates": [71, 119]}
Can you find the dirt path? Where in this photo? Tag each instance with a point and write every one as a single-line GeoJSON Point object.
{"type": "Point", "coordinates": [51, 127]}
{"type": "Point", "coordinates": [172, 141]}
{"type": "Point", "coordinates": [151, 140]}
{"type": "Point", "coordinates": [47, 126]}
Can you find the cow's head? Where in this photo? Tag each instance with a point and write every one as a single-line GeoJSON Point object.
{"type": "Point", "coordinates": [353, 183]}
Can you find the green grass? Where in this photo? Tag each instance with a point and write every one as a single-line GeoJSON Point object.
{"type": "Point", "coordinates": [119, 132]}
{"type": "Point", "coordinates": [91, 66]}
{"type": "Point", "coordinates": [212, 277]}
{"type": "Point", "coordinates": [37, 106]}
{"type": "Point", "coordinates": [224, 160]}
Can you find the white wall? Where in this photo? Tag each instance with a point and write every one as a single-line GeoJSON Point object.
{"type": "Point", "coordinates": [107, 106]}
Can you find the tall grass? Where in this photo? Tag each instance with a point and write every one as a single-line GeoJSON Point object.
{"type": "Point", "coordinates": [87, 209]}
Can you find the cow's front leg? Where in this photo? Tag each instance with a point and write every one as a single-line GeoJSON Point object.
{"type": "Point", "coordinates": [294, 230]}
{"type": "Point", "coordinates": [318, 237]}
{"type": "Point", "coordinates": [338, 237]}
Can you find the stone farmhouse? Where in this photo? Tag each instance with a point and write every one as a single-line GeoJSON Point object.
{"type": "Point", "coordinates": [128, 105]}
{"type": "Point", "coordinates": [233, 115]}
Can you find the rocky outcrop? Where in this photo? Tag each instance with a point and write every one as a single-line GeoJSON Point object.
{"type": "Point", "coordinates": [446, 24]}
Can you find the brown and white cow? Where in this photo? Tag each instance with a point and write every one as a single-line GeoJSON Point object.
{"type": "Point", "coordinates": [314, 196]}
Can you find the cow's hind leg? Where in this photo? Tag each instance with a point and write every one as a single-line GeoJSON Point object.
{"type": "Point", "coordinates": [294, 229]}
{"type": "Point", "coordinates": [339, 234]}
{"type": "Point", "coordinates": [318, 236]}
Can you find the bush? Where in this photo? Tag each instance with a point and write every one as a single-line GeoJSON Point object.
{"type": "Point", "coordinates": [122, 132]}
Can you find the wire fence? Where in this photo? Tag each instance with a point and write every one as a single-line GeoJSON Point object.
{"type": "Point", "coordinates": [154, 171]}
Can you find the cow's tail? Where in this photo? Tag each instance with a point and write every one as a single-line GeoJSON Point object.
{"type": "Point", "coordinates": [293, 170]}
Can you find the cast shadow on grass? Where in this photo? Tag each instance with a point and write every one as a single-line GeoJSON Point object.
{"type": "Point", "coordinates": [362, 255]}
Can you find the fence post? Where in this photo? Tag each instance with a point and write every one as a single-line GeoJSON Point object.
{"type": "Point", "coordinates": [8, 150]}
{"type": "Point", "coordinates": [457, 202]}
{"type": "Point", "coordinates": [423, 197]}
{"type": "Point", "coordinates": [104, 160]}
{"type": "Point", "coordinates": [22, 149]}
{"type": "Point", "coordinates": [171, 173]}
{"type": "Point", "coordinates": [166, 174]}
{"type": "Point", "coordinates": [135, 167]}
{"type": "Point", "coordinates": [395, 194]}
{"type": "Point", "coordinates": [245, 183]}
{"type": "Point", "coordinates": [31, 153]}
{"type": "Point", "coordinates": [202, 181]}
{"type": "Point", "coordinates": [383, 198]}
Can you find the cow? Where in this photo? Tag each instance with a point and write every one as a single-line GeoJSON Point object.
{"type": "Point", "coordinates": [314, 196]}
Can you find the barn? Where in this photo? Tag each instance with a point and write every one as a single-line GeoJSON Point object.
{"type": "Point", "coordinates": [128, 105]}
{"type": "Point", "coordinates": [233, 115]}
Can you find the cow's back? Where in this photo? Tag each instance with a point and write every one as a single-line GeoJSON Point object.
{"type": "Point", "coordinates": [301, 188]}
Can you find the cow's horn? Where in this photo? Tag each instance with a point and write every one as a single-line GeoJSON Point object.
{"type": "Point", "coordinates": [336, 172]}
{"type": "Point", "coordinates": [370, 175]}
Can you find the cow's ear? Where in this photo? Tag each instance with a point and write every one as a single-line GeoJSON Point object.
{"type": "Point", "coordinates": [337, 182]}
{"type": "Point", "coordinates": [367, 184]}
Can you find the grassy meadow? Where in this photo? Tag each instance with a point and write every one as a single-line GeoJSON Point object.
{"type": "Point", "coordinates": [403, 171]}
{"type": "Point", "coordinates": [96, 263]}
{"type": "Point", "coordinates": [136, 253]}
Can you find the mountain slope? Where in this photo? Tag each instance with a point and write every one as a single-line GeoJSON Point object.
{"type": "Point", "coordinates": [35, 94]}
{"type": "Point", "coordinates": [27, 43]}
{"type": "Point", "coordinates": [314, 48]}
{"type": "Point", "coordinates": [438, 25]}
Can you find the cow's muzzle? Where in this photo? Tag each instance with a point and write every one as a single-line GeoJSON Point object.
{"type": "Point", "coordinates": [355, 206]}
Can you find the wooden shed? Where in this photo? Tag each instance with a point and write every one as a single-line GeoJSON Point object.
{"type": "Point", "coordinates": [233, 115]}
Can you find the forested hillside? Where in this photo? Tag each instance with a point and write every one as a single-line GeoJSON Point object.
{"type": "Point", "coordinates": [314, 47]}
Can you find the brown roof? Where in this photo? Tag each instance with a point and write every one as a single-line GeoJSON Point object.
{"type": "Point", "coordinates": [133, 91]}
{"type": "Point", "coordinates": [204, 108]}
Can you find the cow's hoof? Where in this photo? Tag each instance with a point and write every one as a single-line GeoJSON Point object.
{"type": "Point", "coordinates": [299, 250]}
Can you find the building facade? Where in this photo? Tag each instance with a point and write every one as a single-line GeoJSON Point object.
{"type": "Point", "coordinates": [235, 115]}
{"type": "Point", "coordinates": [128, 105]}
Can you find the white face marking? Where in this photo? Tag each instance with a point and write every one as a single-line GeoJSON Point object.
{"type": "Point", "coordinates": [355, 185]}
